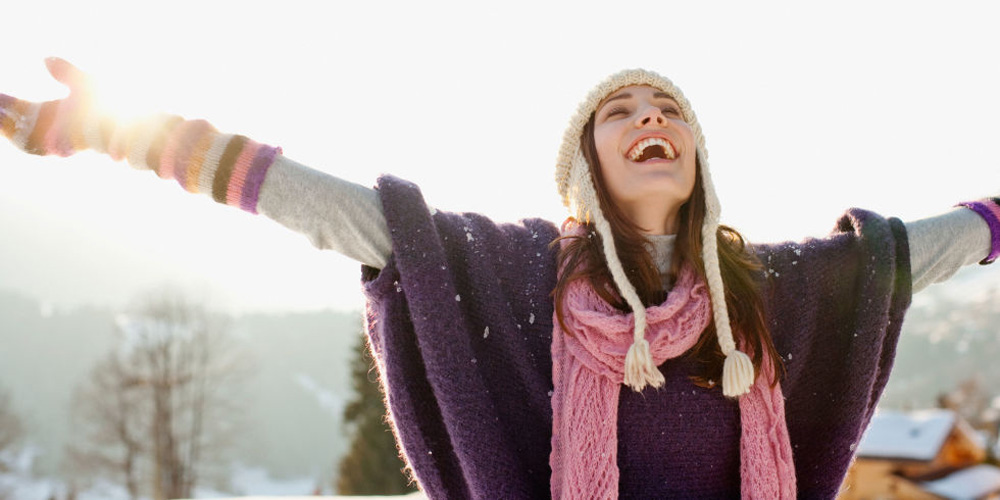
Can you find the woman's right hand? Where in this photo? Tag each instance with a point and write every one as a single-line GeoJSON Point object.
{"type": "Point", "coordinates": [58, 127]}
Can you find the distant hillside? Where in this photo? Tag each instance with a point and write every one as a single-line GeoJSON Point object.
{"type": "Point", "coordinates": [951, 333]}
{"type": "Point", "coordinates": [294, 400]}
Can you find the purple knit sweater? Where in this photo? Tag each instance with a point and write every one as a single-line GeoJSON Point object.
{"type": "Point", "coordinates": [461, 324]}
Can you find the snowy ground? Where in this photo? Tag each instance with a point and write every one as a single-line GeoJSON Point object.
{"type": "Point", "coordinates": [19, 484]}
{"type": "Point", "coordinates": [412, 496]}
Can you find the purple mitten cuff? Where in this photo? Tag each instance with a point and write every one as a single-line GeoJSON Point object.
{"type": "Point", "coordinates": [990, 212]}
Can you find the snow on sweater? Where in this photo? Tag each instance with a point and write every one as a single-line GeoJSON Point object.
{"type": "Point", "coordinates": [460, 321]}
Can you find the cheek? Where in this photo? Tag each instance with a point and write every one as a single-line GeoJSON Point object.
{"type": "Point", "coordinates": [691, 178]}
{"type": "Point", "coordinates": [607, 148]}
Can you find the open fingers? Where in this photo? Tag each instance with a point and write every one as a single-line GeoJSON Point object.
{"type": "Point", "coordinates": [62, 133]}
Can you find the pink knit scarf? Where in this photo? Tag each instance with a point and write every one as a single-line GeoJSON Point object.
{"type": "Point", "coordinates": [587, 371]}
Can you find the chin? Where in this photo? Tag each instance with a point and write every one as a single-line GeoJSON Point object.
{"type": "Point", "coordinates": [659, 189]}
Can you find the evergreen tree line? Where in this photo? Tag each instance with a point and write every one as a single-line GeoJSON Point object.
{"type": "Point", "coordinates": [372, 465]}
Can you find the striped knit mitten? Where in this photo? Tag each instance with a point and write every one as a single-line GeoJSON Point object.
{"type": "Point", "coordinates": [230, 168]}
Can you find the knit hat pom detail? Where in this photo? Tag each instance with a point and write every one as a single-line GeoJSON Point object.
{"type": "Point", "coordinates": [640, 370]}
{"type": "Point", "coordinates": [737, 374]}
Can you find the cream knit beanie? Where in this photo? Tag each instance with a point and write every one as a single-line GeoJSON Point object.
{"type": "Point", "coordinates": [579, 194]}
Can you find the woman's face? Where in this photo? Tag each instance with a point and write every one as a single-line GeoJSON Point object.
{"type": "Point", "coordinates": [647, 156]}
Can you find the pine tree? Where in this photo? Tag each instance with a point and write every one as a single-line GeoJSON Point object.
{"type": "Point", "coordinates": [372, 465]}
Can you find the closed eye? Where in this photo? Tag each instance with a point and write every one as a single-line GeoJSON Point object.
{"type": "Point", "coordinates": [616, 110]}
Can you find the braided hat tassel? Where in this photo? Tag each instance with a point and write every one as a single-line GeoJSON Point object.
{"type": "Point", "coordinates": [640, 370]}
{"type": "Point", "coordinates": [737, 371]}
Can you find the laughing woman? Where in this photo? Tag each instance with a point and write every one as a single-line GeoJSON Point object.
{"type": "Point", "coordinates": [639, 350]}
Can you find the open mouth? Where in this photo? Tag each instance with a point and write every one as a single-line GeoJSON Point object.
{"type": "Point", "coordinates": [652, 148]}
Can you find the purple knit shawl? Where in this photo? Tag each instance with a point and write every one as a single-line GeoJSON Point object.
{"type": "Point", "coordinates": [460, 321]}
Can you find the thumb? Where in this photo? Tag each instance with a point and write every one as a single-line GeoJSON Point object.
{"type": "Point", "coordinates": [66, 73]}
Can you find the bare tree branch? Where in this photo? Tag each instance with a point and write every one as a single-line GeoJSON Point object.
{"type": "Point", "coordinates": [153, 406]}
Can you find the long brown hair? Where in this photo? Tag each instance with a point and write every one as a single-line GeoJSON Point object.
{"type": "Point", "coordinates": [582, 258]}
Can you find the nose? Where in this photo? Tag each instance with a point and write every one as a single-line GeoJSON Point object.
{"type": "Point", "coordinates": [650, 116]}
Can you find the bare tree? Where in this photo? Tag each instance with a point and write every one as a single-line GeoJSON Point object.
{"type": "Point", "coordinates": [970, 398]}
{"type": "Point", "coordinates": [11, 430]}
{"type": "Point", "coordinates": [113, 418]}
{"type": "Point", "coordinates": [161, 410]}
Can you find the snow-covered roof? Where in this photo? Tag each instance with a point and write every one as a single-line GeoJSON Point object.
{"type": "Point", "coordinates": [974, 482]}
{"type": "Point", "coordinates": [916, 435]}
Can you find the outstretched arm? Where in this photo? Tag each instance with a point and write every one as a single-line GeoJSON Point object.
{"type": "Point", "coordinates": [941, 245]}
{"type": "Point", "coordinates": [333, 213]}
{"type": "Point", "coordinates": [232, 169]}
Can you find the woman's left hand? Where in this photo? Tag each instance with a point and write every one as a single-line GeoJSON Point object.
{"type": "Point", "coordinates": [58, 127]}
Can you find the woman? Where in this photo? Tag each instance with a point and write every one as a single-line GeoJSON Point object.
{"type": "Point", "coordinates": [766, 362]}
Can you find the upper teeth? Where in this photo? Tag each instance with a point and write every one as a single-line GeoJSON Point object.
{"type": "Point", "coordinates": [636, 152]}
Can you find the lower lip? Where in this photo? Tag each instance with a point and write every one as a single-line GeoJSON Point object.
{"type": "Point", "coordinates": [654, 161]}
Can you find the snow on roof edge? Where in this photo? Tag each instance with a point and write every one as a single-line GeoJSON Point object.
{"type": "Point", "coordinates": [973, 482]}
{"type": "Point", "coordinates": [916, 435]}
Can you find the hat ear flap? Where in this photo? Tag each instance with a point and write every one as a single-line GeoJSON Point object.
{"type": "Point", "coordinates": [737, 371]}
{"type": "Point", "coordinates": [582, 195]}
{"type": "Point", "coordinates": [640, 370]}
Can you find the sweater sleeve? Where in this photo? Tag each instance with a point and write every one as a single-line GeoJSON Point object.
{"type": "Point", "coordinates": [460, 323]}
{"type": "Point", "coordinates": [333, 213]}
{"type": "Point", "coordinates": [235, 170]}
{"type": "Point", "coordinates": [941, 245]}
{"type": "Point", "coordinates": [232, 169]}
{"type": "Point", "coordinates": [835, 307]}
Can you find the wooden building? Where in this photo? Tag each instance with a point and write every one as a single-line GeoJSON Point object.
{"type": "Point", "coordinates": [928, 454]}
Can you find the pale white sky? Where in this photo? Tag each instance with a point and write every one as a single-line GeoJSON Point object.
{"type": "Point", "coordinates": [891, 106]}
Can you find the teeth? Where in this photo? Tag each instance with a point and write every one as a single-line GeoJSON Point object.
{"type": "Point", "coordinates": [637, 151]}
